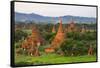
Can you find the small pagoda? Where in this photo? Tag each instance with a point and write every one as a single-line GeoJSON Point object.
{"type": "Point", "coordinates": [71, 27]}
{"type": "Point", "coordinates": [53, 29]}
{"type": "Point", "coordinates": [83, 29]}
{"type": "Point", "coordinates": [32, 42]}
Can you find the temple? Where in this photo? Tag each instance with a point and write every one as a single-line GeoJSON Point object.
{"type": "Point", "coordinates": [32, 42]}
{"type": "Point", "coordinates": [71, 27]}
{"type": "Point", "coordinates": [53, 29]}
{"type": "Point", "coordinates": [83, 29]}
{"type": "Point", "coordinates": [59, 38]}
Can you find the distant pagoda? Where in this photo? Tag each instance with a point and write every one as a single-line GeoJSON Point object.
{"type": "Point", "coordinates": [71, 27]}
{"type": "Point", "coordinates": [59, 38]}
{"type": "Point", "coordinates": [83, 29]}
{"type": "Point", "coordinates": [53, 29]}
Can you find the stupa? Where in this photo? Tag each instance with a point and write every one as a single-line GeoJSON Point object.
{"type": "Point", "coordinates": [83, 29]}
{"type": "Point", "coordinates": [59, 38]}
{"type": "Point", "coordinates": [53, 29]}
{"type": "Point", "coordinates": [71, 27]}
{"type": "Point", "coordinates": [32, 42]}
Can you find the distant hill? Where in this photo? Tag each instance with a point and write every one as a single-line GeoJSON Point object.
{"type": "Point", "coordinates": [39, 18]}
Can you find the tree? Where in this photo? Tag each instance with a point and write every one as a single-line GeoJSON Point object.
{"type": "Point", "coordinates": [19, 35]}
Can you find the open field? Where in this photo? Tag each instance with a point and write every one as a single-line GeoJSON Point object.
{"type": "Point", "coordinates": [51, 59]}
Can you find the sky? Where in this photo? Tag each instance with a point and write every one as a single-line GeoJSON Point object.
{"type": "Point", "coordinates": [55, 10]}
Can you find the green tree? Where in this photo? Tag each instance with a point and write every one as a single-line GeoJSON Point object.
{"type": "Point", "coordinates": [19, 35]}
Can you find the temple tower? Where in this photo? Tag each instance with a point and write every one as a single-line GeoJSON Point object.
{"type": "Point", "coordinates": [59, 38]}
{"type": "Point", "coordinates": [83, 29]}
{"type": "Point", "coordinates": [32, 42]}
{"type": "Point", "coordinates": [71, 27]}
{"type": "Point", "coordinates": [53, 29]}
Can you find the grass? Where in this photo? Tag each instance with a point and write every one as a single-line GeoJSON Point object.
{"type": "Point", "coordinates": [51, 59]}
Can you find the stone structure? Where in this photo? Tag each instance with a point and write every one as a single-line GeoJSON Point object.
{"type": "Point", "coordinates": [90, 50]}
{"type": "Point", "coordinates": [32, 42]}
{"type": "Point", "coordinates": [59, 38]}
{"type": "Point", "coordinates": [71, 27]}
{"type": "Point", "coordinates": [83, 29]}
{"type": "Point", "coordinates": [53, 29]}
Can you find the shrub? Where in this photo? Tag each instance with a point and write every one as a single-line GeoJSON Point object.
{"type": "Point", "coordinates": [19, 35]}
{"type": "Point", "coordinates": [75, 47]}
{"type": "Point", "coordinates": [49, 36]}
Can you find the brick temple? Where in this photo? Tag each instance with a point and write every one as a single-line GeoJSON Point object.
{"type": "Point", "coordinates": [59, 38]}
{"type": "Point", "coordinates": [71, 27]}
{"type": "Point", "coordinates": [83, 29]}
{"type": "Point", "coordinates": [32, 42]}
{"type": "Point", "coordinates": [53, 29]}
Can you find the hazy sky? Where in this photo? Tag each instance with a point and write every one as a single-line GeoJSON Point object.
{"type": "Point", "coordinates": [55, 10]}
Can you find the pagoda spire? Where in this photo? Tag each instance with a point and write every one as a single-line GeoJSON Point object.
{"type": "Point", "coordinates": [83, 29]}
{"type": "Point", "coordinates": [72, 26]}
{"type": "Point", "coordinates": [53, 29]}
{"type": "Point", "coordinates": [59, 38]}
{"type": "Point", "coordinates": [60, 29]}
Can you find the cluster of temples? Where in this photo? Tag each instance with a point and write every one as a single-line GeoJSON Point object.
{"type": "Point", "coordinates": [61, 34]}
{"type": "Point", "coordinates": [32, 42]}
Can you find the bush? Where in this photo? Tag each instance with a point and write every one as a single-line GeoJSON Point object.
{"type": "Point", "coordinates": [88, 36]}
{"type": "Point", "coordinates": [19, 35]}
{"type": "Point", "coordinates": [49, 36]}
{"type": "Point", "coordinates": [21, 51]}
{"type": "Point", "coordinates": [75, 47]}
{"type": "Point", "coordinates": [66, 47]}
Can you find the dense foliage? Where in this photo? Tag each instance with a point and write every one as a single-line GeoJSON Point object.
{"type": "Point", "coordinates": [19, 35]}
{"type": "Point", "coordinates": [78, 43]}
